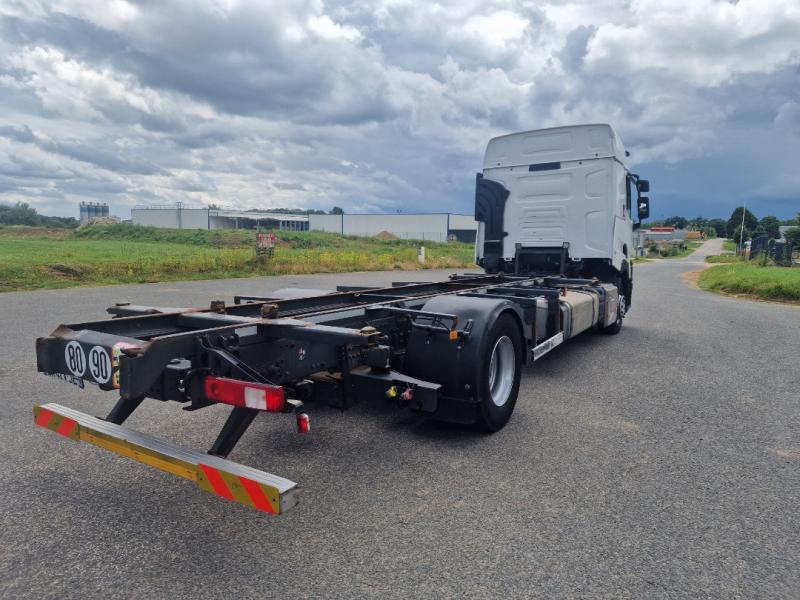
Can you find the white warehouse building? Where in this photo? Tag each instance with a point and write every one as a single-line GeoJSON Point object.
{"type": "Point", "coordinates": [178, 217]}
{"type": "Point", "coordinates": [435, 227]}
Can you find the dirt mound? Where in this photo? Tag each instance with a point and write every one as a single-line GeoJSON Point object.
{"type": "Point", "coordinates": [66, 271]}
{"type": "Point", "coordinates": [385, 235]}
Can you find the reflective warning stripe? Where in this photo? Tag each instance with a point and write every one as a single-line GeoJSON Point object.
{"type": "Point", "coordinates": [258, 495]}
{"type": "Point", "coordinates": [260, 490]}
{"type": "Point", "coordinates": [55, 422]}
{"type": "Point", "coordinates": [239, 489]}
{"type": "Point", "coordinates": [41, 416]}
{"type": "Point", "coordinates": [216, 483]}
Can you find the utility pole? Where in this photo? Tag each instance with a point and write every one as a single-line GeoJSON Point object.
{"type": "Point", "coordinates": [741, 233]}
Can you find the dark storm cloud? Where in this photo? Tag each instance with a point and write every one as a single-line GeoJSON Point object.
{"type": "Point", "coordinates": [571, 55]}
{"type": "Point", "coordinates": [101, 156]}
{"type": "Point", "coordinates": [386, 105]}
{"type": "Point", "coordinates": [247, 65]}
{"type": "Point", "coordinates": [22, 168]}
{"type": "Point", "coordinates": [78, 37]}
{"type": "Point", "coordinates": [99, 153]}
{"type": "Point", "coordinates": [20, 133]}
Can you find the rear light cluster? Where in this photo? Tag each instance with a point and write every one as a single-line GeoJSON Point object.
{"type": "Point", "coordinates": [260, 396]}
{"type": "Point", "coordinates": [303, 423]}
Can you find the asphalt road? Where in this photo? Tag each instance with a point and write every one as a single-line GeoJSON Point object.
{"type": "Point", "coordinates": [660, 463]}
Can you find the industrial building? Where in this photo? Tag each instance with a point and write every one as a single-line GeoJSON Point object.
{"type": "Point", "coordinates": [180, 217]}
{"type": "Point", "coordinates": [90, 211]}
{"type": "Point", "coordinates": [436, 227]}
{"type": "Point", "coordinates": [664, 234]}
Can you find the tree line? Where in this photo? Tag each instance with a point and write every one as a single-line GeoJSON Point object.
{"type": "Point", "coordinates": [745, 225]}
{"type": "Point", "coordinates": [732, 227]}
{"type": "Point", "coordinates": [23, 214]}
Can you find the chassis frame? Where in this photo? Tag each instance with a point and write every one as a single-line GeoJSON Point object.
{"type": "Point", "coordinates": [346, 342]}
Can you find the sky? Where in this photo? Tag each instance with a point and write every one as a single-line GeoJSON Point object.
{"type": "Point", "coordinates": [387, 106]}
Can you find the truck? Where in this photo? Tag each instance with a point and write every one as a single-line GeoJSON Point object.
{"type": "Point", "coordinates": [554, 208]}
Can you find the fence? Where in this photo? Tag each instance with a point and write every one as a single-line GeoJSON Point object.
{"type": "Point", "coordinates": [781, 253]}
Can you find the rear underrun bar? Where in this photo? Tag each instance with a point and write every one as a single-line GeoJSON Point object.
{"type": "Point", "coordinates": [251, 487]}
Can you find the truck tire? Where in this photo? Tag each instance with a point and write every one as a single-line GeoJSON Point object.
{"type": "Point", "coordinates": [500, 374]}
{"type": "Point", "coordinates": [622, 307]}
{"type": "Point", "coordinates": [461, 367]}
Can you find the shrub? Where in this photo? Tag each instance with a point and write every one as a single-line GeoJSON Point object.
{"type": "Point", "coordinates": [793, 236]}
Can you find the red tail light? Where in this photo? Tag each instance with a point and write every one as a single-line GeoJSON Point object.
{"type": "Point", "coordinates": [261, 396]}
{"type": "Point", "coordinates": [303, 423]}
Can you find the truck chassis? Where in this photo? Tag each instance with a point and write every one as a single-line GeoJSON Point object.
{"type": "Point", "coordinates": [453, 350]}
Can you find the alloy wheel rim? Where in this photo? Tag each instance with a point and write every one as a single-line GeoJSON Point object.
{"type": "Point", "coordinates": [502, 366]}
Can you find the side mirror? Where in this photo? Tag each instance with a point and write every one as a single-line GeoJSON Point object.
{"type": "Point", "coordinates": [644, 186]}
{"type": "Point", "coordinates": [644, 207]}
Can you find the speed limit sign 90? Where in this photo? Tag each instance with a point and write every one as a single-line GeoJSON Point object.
{"type": "Point", "coordinates": [99, 364]}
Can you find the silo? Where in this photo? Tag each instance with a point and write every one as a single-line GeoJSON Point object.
{"type": "Point", "coordinates": [93, 210]}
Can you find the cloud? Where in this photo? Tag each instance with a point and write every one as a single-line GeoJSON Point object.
{"type": "Point", "coordinates": [788, 117]}
{"type": "Point", "coordinates": [20, 133]}
{"type": "Point", "coordinates": [701, 42]}
{"type": "Point", "coordinates": [386, 105]}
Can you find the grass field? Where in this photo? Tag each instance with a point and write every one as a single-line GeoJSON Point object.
{"type": "Point", "coordinates": [729, 246]}
{"type": "Point", "coordinates": [724, 258]}
{"type": "Point", "coordinates": [33, 258]}
{"type": "Point", "coordinates": [769, 283]}
{"type": "Point", "coordinates": [690, 247]}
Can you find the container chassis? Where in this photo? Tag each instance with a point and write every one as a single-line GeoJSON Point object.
{"type": "Point", "coordinates": [453, 350]}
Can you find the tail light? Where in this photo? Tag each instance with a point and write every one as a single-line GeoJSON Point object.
{"type": "Point", "coordinates": [303, 423]}
{"type": "Point", "coordinates": [261, 396]}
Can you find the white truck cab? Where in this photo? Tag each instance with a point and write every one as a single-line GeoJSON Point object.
{"type": "Point", "coordinates": [559, 200]}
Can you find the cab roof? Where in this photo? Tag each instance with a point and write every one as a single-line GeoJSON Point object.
{"type": "Point", "coordinates": [556, 144]}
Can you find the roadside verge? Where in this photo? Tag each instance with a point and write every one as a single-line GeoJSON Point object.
{"type": "Point", "coordinates": [774, 284]}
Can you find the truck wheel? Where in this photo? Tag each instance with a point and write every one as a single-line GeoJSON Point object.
{"type": "Point", "coordinates": [622, 306]}
{"type": "Point", "coordinates": [501, 371]}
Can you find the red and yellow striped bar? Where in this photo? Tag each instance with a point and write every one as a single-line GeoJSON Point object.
{"type": "Point", "coordinates": [238, 488]}
{"type": "Point", "coordinates": [53, 421]}
{"type": "Point", "coordinates": [257, 489]}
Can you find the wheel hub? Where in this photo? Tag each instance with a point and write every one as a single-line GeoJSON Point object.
{"type": "Point", "coordinates": [502, 367]}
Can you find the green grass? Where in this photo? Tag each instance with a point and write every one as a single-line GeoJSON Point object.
{"type": "Point", "coordinates": [769, 283]}
{"type": "Point", "coordinates": [729, 246]}
{"type": "Point", "coordinates": [724, 258]}
{"type": "Point", "coordinates": [32, 258]}
{"type": "Point", "coordinates": [676, 252]}
{"type": "Point", "coordinates": [690, 247]}
{"type": "Point", "coordinates": [197, 237]}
